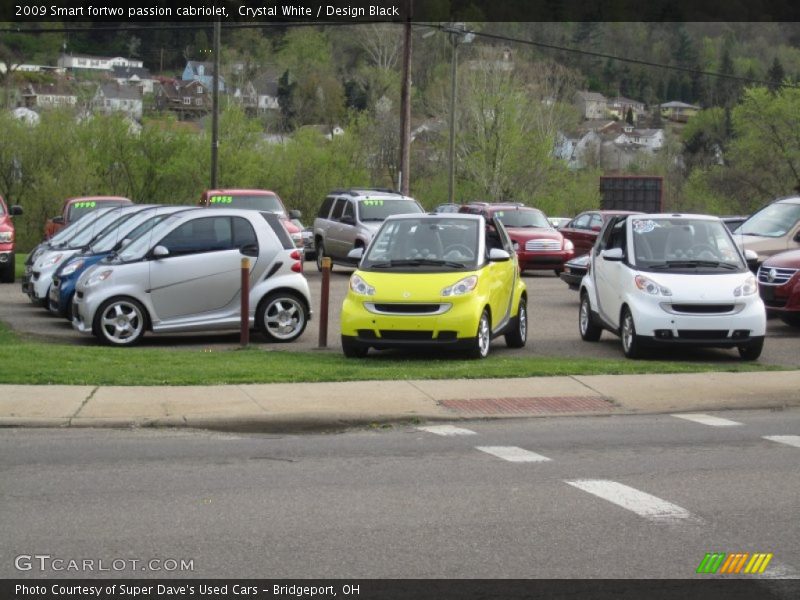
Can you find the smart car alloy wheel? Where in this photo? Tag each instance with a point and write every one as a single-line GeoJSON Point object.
{"type": "Point", "coordinates": [590, 331]}
{"type": "Point", "coordinates": [518, 334]}
{"type": "Point", "coordinates": [282, 317]}
{"type": "Point", "coordinates": [120, 322]}
{"type": "Point", "coordinates": [483, 339]}
{"type": "Point", "coordinates": [630, 346]}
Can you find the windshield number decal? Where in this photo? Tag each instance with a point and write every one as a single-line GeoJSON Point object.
{"type": "Point", "coordinates": [647, 226]}
{"type": "Point", "coordinates": [221, 200]}
{"type": "Point", "coordinates": [85, 204]}
{"type": "Point", "coordinates": [372, 202]}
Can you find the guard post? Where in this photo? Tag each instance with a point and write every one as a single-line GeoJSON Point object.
{"type": "Point", "coordinates": [324, 295]}
{"type": "Point", "coordinates": [244, 335]}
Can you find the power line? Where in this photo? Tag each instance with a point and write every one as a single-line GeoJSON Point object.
{"type": "Point", "coordinates": [635, 61]}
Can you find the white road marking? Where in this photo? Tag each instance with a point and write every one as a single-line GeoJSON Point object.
{"type": "Point", "coordinates": [643, 504]}
{"type": "Point", "coordinates": [513, 453]}
{"type": "Point", "coordinates": [704, 419]}
{"type": "Point", "coordinates": [789, 440]}
{"type": "Point", "coordinates": [447, 430]}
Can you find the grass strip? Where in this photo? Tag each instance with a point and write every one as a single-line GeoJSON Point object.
{"type": "Point", "coordinates": [35, 362]}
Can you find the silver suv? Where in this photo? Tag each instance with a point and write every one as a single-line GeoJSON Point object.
{"type": "Point", "coordinates": [349, 219]}
{"type": "Point", "coordinates": [184, 275]}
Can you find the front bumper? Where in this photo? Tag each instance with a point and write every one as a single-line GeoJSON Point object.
{"type": "Point", "coordinates": [455, 327]}
{"type": "Point", "coordinates": [60, 296]}
{"type": "Point", "coordinates": [655, 326]}
{"type": "Point", "coordinates": [543, 260]}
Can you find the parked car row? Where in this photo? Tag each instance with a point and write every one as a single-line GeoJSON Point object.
{"type": "Point", "coordinates": [119, 272]}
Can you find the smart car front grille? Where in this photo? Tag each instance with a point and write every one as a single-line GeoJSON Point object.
{"type": "Point", "coordinates": [774, 275]}
{"type": "Point", "coordinates": [543, 245]}
{"type": "Point", "coordinates": [407, 308]}
{"type": "Point", "coordinates": [409, 336]}
{"type": "Point", "coordinates": [703, 309]}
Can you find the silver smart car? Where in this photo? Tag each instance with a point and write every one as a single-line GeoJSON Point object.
{"type": "Point", "coordinates": [184, 275]}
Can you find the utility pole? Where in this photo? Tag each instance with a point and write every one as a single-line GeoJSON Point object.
{"type": "Point", "coordinates": [458, 34]}
{"type": "Point", "coordinates": [215, 106]}
{"type": "Point", "coordinates": [405, 102]}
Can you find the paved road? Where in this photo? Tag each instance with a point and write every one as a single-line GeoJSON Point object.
{"type": "Point", "coordinates": [553, 310]}
{"type": "Point", "coordinates": [633, 496]}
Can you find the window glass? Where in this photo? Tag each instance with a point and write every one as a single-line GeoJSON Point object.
{"type": "Point", "coordinates": [379, 209]}
{"type": "Point", "coordinates": [349, 211]}
{"type": "Point", "coordinates": [325, 209]}
{"type": "Point", "coordinates": [243, 233]}
{"type": "Point", "coordinates": [772, 221]}
{"type": "Point", "coordinates": [207, 234]}
{"type": "Point", "coordinates": [596, 221]}
{"type": "Point", "coordinates": [581, 222]}
{"type": "Point", "coordinates": [338, 209]}
{"type": "Point", "coordinates": [528, 217]}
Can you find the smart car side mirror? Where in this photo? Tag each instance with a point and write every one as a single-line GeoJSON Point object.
{"type": "Point", "coordinates": [751, 258]}
{"type": "Point", "coordinates": [356, 253]}
{"type": "Point", "coordinates": [614, 254]}
{"type": "Point", "coordinates": [498, 255]}
{"type": "Point", "coordinates": [159, 252]}
{"type": "Point", "coordinates": [15, 210]}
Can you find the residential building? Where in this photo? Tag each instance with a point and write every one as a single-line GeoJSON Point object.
{"type": "Point", "coordinates": [649, 139]}
{"type": "Point", "coordinates": [259, 95]}
{"type": "Point", "coordinates": [618, 108]}
{"type": "Point", "coordinates": [114, 98]}
{"type": "Point", "coordinates": [591, 105]}
{"type": "Point", "coordinates": [202, 72]}
{"type": "Point", "coordinates": [49, 95]}
{"type": "Point", "coordinates": [134, 76]}
{"type": "Point", "coordinates": [101, 63]}
{"type": "Point", "coordinates": [187, 99]}
{"type": "Point", "coordinates": [579, 149]}
{"type": "Point", "coordinates": [29, 68]}
{"type": "Point", "coordinates": [678, 111]}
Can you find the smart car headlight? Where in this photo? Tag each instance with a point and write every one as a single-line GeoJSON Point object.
{"type": "Point", "coordinates": [748, 288]}
{"type": "Point", "coordinates": [461, 287]}
{"type": "Point", "coordinates": [96, 278]}
{"type": "Point", "coordinates": [359, 286]}
{"type": "Point", "coordinates": [52, 260]}
{"type": "Point", "coordinates": [71, 268]}
{"type": "Point", "coordinates": [648, 286]}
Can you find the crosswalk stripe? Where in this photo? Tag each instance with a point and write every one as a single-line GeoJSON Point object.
{"type": "Point", "coordinates": [513, 453]}
{"type": "Point", "coordinates": [446, 430]}
{"type": "Point", "coordinates": [643, 504]}
{"type": "Point", "coordinates": [789, 440]}
{"type": "Point", "coordinates": [704, 419]}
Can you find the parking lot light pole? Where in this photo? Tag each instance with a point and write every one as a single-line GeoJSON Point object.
{"type": "Point", "coordinates": [458, 35]}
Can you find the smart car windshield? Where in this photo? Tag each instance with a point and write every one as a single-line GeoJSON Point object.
{"type": "Point", "coordinates": [139, 246]}
{"type": "Point", "coordinates": [433, 244]}
{"type": "Point", "coordinates": [526, 217]}
{"type": "Point", "coordinates": [771, 221]}
{"type": "Point", "coordinates": [684, 244]}
{"type": "Point", "coordinates": [88, 233]}
{"type": "Point", "coordinates": [379, 209]}
{"type": "Point", "coordinates": [133, 228]}
{"type": "Point", "coordinates": [264, 202]}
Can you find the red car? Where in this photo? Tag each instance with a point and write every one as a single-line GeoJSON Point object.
{"type": "Point", "coordinates": [7, 256]}
{"type": "Point", "coordinates": [779, 286]}
{"type": "Point", "coordinates": [75, 208]}
{"type": "Point", "coordinates": [538, 245]}
{"type": "Point", "coordinates": [263, 200]}
{"type": "Point", "coordinates": [583, 230]}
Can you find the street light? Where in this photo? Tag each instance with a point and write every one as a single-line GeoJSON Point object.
{"type": "Point", "coordinates": [458, 35]}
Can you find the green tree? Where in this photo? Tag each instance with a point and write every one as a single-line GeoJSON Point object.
{"type": "Point", "coordinates": [775, 75]}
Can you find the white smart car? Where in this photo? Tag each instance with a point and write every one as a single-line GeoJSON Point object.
{"type": "Point", "coordinates": [671, 280]}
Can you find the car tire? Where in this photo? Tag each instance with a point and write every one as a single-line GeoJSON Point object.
{"type": "Point", "coordinates": [518, 334]}
{"type": "Point", "coordinates": [752, 350]}
{"type": "Point", "coordinates": [320, 255]}
{"type": "Point", "coordinates": [282, 316]}
{"type": "Point", "coordinates": [483, 337]}
{"type": "Point", "coordinates": [353, 349]}
{"type": "Point", "coordinates": [558, 272]}
{"type": "Point", "coordinates": [120, 321]}
{"type": "Point", "coordinates": [791, 319]}
{"type": "Point", "coordinates": [9, 270]}
{"type": "Point", "coordinates": [627, 332]}
{"type": "Point", "coordinates": [589, 330]}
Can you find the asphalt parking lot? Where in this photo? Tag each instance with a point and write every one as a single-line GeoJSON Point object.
{"type": "Point", "coordinates": [553, 310]}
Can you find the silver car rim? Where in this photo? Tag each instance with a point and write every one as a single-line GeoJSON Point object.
{"type": "Point", "coordinates": [523, 322]}
{"type": "Point", "coordinates": [484, 336]}
{"type": "Point", "coordinates": [584, 318]}
{"type": "Point", "coordinates": [284, 318]}
{"type": "Point", "coordinates": [627, 332]}
{"type": "Point", "coordinates": [122, 322]}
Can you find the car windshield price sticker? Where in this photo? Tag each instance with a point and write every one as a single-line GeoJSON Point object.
{"type": "Point", "coordinates": [640, 226]}
{"type": "Point", "coordinates": [85, 204]}
{"type": "Point", "coordinates": [373, 202]}
{"type": "Point", "coordinates": [221, 200]}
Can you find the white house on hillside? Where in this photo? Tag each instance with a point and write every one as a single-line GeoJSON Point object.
{"type": "Point", "coordinates": [114, 98]}
{"type": "Point", "coordinates": [99, 63]}
{"type": "Point", "coordinates": [591, 105]}
{"type": "Point", "coordinates": [649, 139]}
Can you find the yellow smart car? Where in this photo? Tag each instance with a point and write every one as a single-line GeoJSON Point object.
{"type": "Point", "coordinates": [438, 280]}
